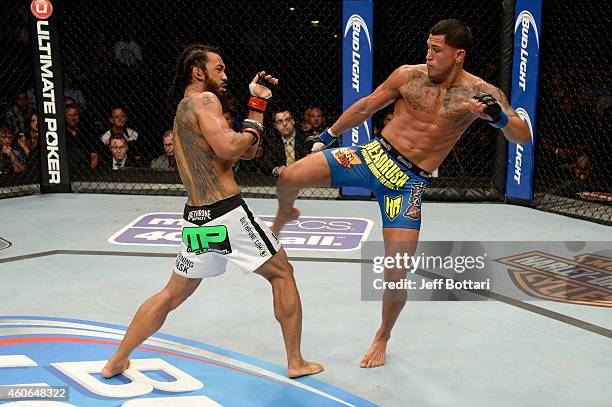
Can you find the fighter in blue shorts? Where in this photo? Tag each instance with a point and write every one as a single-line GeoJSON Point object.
{"type": "Point", "coordinates": [435, 103]}
{"type": "Point", "coordinates": [397, 182]}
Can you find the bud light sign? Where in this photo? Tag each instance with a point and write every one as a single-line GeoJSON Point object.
{"type": "Point", "coordinates": [525, 71]}
{"type": "Point", "coordinates": [357, 62]}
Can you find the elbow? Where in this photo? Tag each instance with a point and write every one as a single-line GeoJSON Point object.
{"type": "Point", "coordinates": [525, 137]}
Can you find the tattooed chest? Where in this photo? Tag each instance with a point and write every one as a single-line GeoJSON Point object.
{"type": "Point", "coordinates": [426, 96]}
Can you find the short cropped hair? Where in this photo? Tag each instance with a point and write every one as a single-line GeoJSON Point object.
{"type": "Point", "coordinates": [456, 33]}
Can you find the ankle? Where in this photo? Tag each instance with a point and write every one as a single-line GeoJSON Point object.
{"type": "Point", "coordinates": [295, 362]}
{"type": "Point", "coordinates": [382, 336]}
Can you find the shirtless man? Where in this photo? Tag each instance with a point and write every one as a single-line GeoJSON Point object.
{"type": "Point", "coordinates": [434, 104]}
{"type": "Point", "coordinates": [218, 226]}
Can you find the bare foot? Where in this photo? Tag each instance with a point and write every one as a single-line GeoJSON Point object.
{"type": "Point", "coordinates": [282, 218]}
{"type": "Point", "coordinates": [376, 355]}
{"type": "Point", "coordinates": [113, 369]}
{"type": "Point", "coordinates": [306, 369]}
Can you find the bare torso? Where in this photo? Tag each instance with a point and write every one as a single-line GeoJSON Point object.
{"type": "Point", "coordinates": [207, 177]}
{"type": "Point", "coordinates": [429, 119]}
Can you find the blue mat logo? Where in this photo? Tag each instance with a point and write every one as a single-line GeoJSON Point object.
{"type": "Point", "coordinates": [164, 370]}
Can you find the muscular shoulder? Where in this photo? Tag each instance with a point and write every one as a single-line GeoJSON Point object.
{"type": "Point", "coordinates": [405, 74]}
{"type": "Point", "coordinates": [206, 100]}
{"type": "Point", "coordinates": [480, 85]}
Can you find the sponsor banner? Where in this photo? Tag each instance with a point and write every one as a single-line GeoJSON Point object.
{"type": "Point", "coordinates": [68, 354]}
{"type": "Point", "coordinates": [47, 65]}
{"type": "Point", "coordinates": [525, 75]}
{"type": "Point", "coordinates": [305, 233]}
{"type": "Point", "coordinates": [357, 68]}
{"type": "Point", "coordinates": [577, 273]}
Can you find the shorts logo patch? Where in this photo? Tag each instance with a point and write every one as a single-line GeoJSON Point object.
{"type": "Point", "coordinates": [256, 241]}
{"type": "Point", "coordinates": [414, 202]}
{"type": "Point", "coordinates": [199, 214]}
{"type": "Point", "coordinates": [393, 206]}
{"type": "Point", "coordinates": [384, 169]}
{"type": "Point", "coordinates": [346, 157]}
{"type": "Point", "coordinates": [204, 239]}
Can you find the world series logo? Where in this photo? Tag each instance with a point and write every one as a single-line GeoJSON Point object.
{"type": "Point", "coordinates": [586, 279]}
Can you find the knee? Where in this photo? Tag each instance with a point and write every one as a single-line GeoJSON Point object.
{"type": "Point", "coordinates": [282, 274]}
{"type": "Point", "coordinates": [395, 274]}
{"type": "Point", "coordinates": [287, 177]}
{"type": "Point", "coordinates": [170, 300]}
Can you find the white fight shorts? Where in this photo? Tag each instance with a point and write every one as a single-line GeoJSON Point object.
{"type": "Point", "coordinates": [224, 231]}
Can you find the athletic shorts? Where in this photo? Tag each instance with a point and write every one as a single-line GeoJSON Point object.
{"type": "Point", "coordinates": [397, 183]}
{"type": "Point", "coordinates": [224, 231]}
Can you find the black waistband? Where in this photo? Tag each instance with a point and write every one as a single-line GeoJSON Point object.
{"type": "Point", "coordinates": [400, 158]}
{"type": "Point", "coordinates": [205, 213]}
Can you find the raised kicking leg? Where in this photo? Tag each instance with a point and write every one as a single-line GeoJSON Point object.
{"type": "Point", "coordinates": [310, 171]}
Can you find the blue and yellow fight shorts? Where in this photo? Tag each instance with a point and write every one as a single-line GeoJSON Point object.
{"type": "Point", "coordinates": [397, 183]}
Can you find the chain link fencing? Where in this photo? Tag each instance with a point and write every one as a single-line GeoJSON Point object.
{"type": "Point", "coordinates": [19, 169]}
{"type": "Point", "coordinates": [118, 60]}
{"type": "Point", "coordinates": [122, 55]}
{"type": "Point", "coordinates": [573, 174]}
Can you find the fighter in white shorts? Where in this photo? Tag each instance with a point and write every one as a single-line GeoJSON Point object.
{"type": "Point", "coordinates": [224, 231]}
{"type": "Point", "coordinates": [218, 225]}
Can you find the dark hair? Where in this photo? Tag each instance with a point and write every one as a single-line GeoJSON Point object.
{"type": "Point", "coordinates": [192, 55]}
{"type": "Point", "coordinates": [456, 33]}
{"type": "Point", "coordinates": [118, 137]}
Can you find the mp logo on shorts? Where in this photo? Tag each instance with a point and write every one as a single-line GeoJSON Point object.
{"type": "Point", "coordinates": [204, 239]}
{"type": "Point", "coordinates": [164, 371]}
{"type": "Point", "coordinates": [586, 279]}
{"type": "Point", "coordinates": [346, 157]}
{"type": "Point", "coordinates": [305, 233]}
{"type": "Point", "coordinates": [393, 206]}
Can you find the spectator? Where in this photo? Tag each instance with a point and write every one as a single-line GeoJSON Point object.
{"type": "Point", "coordinates": [127, 51]}
{"type": "Point", "coordinates": [229, 119]}
{"type": "Point", "coordinates": [119, 147]}
{"type": "Point", "coordinates": [68, 101]}
{"type": "Point", "coordinates": [285, 147]}
{"type": "Point", "coordinates": [71, 92]}
{"type": "Point", "coordinates": [231, 104]}
{"type": "Point", "coordinates": [81, 150]}
{"type": "Point", "coordinates": [314, 119]}
{"type": "Point", "coordinates": [17, 116]}
{"type": "Point", "coordinates": [167, 161]}
{"type": "Point", "coordinates": [12, 159]}
{"type": "Point", "coordinates": [582, 168]}
{"type": "Point", "coordinates": [31, 141]}
{"type": "Point", "coordinates": [118, 126]}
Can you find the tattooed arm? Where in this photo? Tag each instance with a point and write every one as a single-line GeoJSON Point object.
{"type": "Point", "coordinates": [225, 142]}
{"type": "Point", "coordinates": [516, 130]}
{"type": "Point", "coordinates": [382, 96]}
